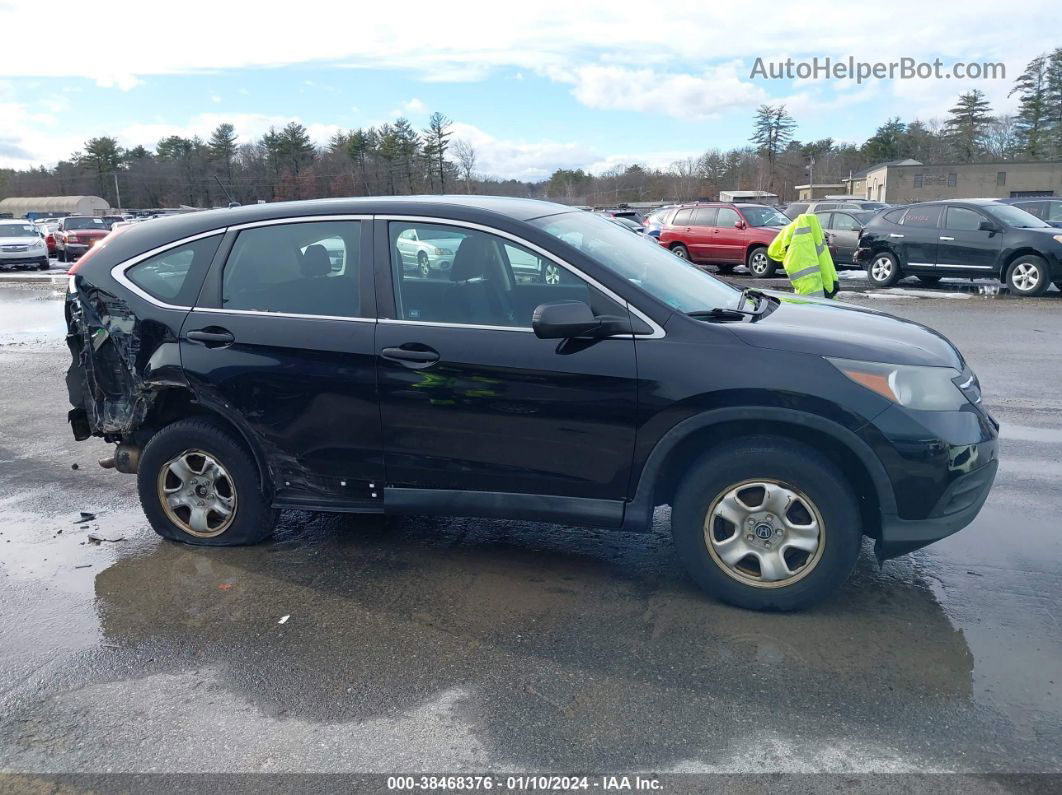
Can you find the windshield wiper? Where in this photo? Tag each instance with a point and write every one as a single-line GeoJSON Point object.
{"type": "Point", "coordinates": [762, 299]}
{"type": "Point", "coordinates": [763, 305]}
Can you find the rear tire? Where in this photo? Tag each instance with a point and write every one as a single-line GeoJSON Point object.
{"type": "Point", "coordinates": [681, 252]}
{"type": "Point", "coordinates": [805, 497]}
{"type": "Point", "coordinates": [883, 270]}
{"type": "Point", "coordinates": [199, 485]}
{"type": "Point", "coordinates": [759, 264]}
{"type": "Point", "coordinates": [1028, 276]}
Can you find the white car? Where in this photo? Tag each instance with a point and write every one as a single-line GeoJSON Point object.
{"type": "Point", "coordinates": [427, 254]}
{"type": "Point", "coordinates": [22, 245]}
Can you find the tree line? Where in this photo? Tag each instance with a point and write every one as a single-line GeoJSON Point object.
{"type": "Point", "coordinates": [395, 158]}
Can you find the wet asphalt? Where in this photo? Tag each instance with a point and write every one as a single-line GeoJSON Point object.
{"type": "Point", "coordinates": [471, 645]}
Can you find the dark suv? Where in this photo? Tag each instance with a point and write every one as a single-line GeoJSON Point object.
{"type": "Point", "coordinates": [240, 372]}
{"type": "Point", "coordinates": [968, 238]}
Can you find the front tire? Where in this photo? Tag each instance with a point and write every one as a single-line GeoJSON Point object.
{"type": "Point", "coordinates": [199, 485]}
{"type": "Point", "coordinates": [423, 266]}
{"type": "Point", "coordinates": [42, 265]}
{"type": "Point", "coordinates": [883, 270]}
{"type": "Point", "coordinates": [766, 524]}
{"type": "Point", "coordinates": [1028, 276]}
{"type": "Point", "coordinates": [759, 264]}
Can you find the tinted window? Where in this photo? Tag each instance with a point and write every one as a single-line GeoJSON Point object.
{"type": "Point", "coordinates": [645, 264]}
{"type": "Point", "coordinates": [824, 219]}
{"type": "Point", "coordinates": [895, 216]}
{"type": "Point", "coordinates": [1014, 216]}
{"type": "Point", "coordinates": [922, 217]}
{"type": "Point", "coordinates": [682, 218]}
{"type": "Point", "coordinates": [174, 276]}
{"type": "Point", "coordinates": [19, 230]}
{"type": "Point", "coordinates": [764, 216]}
{"type": "Point", "coordinates": [727, 217]}
{"type": "Point", "coordinates": [489, 280]}
{"type": "Point", "coordinates": [845, 222]}
{"type": "Point", "coordinates": [298, 268]}
{"type": "Point", "coordinates": [704, 216]}
{"type": "Point", "coordinates": [1054, 211]}
{"type": "Point", "coordinates": [825, 206]}
{"type": "Point", "coordinates": [84, 223]}
{"type": "Point", "coordinates": [1033, 208]}
{"type": "Point", "coordinates": [959, 218]}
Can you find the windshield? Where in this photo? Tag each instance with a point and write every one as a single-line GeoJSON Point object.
{"type": "Point", "coordinates": [1014, 216]}
{"type": "Point", "coordinates": [673, 281]}
{"type": "Point", "coordinates": [19, 230]}
{"type": "Point", "coordinates": [764, 216]}
{"type": "Point", "coordinates": [84, 223]}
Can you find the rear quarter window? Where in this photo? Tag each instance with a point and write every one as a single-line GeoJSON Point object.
{"type": "Point", "coordinates": [175, 275]}
{"type": "Point", "coordinates": [894, 216]}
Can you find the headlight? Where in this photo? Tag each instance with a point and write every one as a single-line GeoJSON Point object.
{"type": "Point", "coordinates": [916, 387]}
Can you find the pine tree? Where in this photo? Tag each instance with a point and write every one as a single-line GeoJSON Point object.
{"type": "Point", "coordinates": [887, 142]}
{"type": "Point", "coordinates": [222, 147]}
{"type": "Point", "coordinates": [1033, 119]}
{"type": "Point", "coordinates": [104, 156]}
{"type": "Point", "coordinates": [967, 125]}
{"type": "Point", "coordinates": [295, 146]}
{"type": "Point", "coordinates": [772, 132]}
{"type": "Point", "coordinates": [407, 143]}
{"type": "Point", "coordinates": [1053, 101]}
{"type": "Point", "coordinates": [436, 141]}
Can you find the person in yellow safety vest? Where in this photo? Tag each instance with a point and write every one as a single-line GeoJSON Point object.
{"type": "Point", "coordinates": [801, 248]}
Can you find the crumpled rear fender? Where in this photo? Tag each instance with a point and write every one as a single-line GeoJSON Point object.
{"type": "Point", "coordinates": [119, 363]}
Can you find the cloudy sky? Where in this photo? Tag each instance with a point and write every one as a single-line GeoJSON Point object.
{"type": "Point", "coordinates": [533, 86]}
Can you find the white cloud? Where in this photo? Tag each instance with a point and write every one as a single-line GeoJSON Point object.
{"type": "Point", "coordinates": [529, 160]}
{"type": "Point", "coordinates": [684, 96]}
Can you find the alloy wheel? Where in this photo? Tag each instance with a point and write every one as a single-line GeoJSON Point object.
{"type": "Point", "coordinates": [758, 263]}
{"type": "Point", "coordinates": [881, 269]}
{"type": "Point", "coordinates": [680, 252]}
{"type": "Point", "coordinates": [764, 533]}
{"type": "Point", "coordinates": [197, 494]}
{"type": "Point", "coordinates": [1026, 276]}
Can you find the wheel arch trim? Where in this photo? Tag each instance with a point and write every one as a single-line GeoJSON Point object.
{"type": "Point", "coordinates": [639, 510]}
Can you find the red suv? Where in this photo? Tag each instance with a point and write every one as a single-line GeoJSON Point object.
{"type": "Point", "coordinates": [724, 235]}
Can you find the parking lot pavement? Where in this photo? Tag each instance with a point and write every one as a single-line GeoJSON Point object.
{"type": "Point", "coordinates": [470, 645]}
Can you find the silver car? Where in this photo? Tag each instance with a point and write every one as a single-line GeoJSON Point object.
{"type": "Point", "coordinates": [842, 228]}
{"type": "Point", "coordinates": [22, 245]}
{"type": "Point", "coordinates": [427, 250]}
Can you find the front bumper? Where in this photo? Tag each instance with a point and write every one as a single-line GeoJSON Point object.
{"type": "Point", "coordinates": [33, 258]}
{"type": "Point", "coordinates": [959, 506]}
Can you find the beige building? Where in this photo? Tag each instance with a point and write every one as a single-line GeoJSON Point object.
{"type": "Point", "coordinates": [808, 193]}
{"type": "Point", "coordinates": [20, 206]}
{"type": "Point", "coordinates": [906, 181]}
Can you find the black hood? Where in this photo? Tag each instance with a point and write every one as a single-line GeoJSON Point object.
{"type": "Point", "coordinates": [830, 328]}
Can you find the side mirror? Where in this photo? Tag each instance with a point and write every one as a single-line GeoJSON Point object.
{"type": "Point", "coordinates": [570, 319]}
{"type": "Point", "coordinates": [987, 226]}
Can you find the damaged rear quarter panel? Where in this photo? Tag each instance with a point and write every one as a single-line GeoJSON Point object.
{"type": "Point", "coordinates": [123, 356]}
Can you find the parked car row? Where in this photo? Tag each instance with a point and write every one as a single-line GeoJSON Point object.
{"type": "Point", "coordinates": [723, 234]}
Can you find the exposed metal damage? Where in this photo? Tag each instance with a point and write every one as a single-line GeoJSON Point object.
{"type": "Point", "coordinates": [105, 375]}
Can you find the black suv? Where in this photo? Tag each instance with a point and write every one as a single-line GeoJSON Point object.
{"type": "Point", "coordinates": [280, 357]}
{"type": "Point", "coordinates": [971, 238]}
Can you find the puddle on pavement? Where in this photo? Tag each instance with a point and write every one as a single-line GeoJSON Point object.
{"type": "Point", "coordinates": [30, 314]}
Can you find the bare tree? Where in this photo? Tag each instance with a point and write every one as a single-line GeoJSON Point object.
{"type": "Point", "coordinates": [465, 154]}
{"type": "Point", "coordinates": [1001, 139]}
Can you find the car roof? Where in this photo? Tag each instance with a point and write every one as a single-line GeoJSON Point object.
{"type": "Point", "coordinates": [166, 229]}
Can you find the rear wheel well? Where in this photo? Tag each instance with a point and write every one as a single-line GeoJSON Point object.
{"type": "Point", "coordinates": [1021, 252]}
{"type": "Point", "coordinates": [175, 404]}
{"type": "Point", "coordinates": [698, 443]}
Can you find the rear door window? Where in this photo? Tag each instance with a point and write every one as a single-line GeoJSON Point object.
{"type": "Point", "coordinates": [175, 275]}
{"type": "Point", "coordinates": [682, 218]}
{"type": "Point", "coordinates": [844, 222]}
{"type": "Point", "coordinates": [307, 268]}
{"type": "Point", "coordinates": [922, 217]}
{"type": "Point", "coordinates": [704, 216]}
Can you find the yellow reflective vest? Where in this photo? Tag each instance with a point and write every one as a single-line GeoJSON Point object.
{"type": "Point", "coordinates": [801, 248]}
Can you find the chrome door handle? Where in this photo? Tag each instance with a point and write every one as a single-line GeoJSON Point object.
{"type": "Point", "coordinates": [893, 234]}
{"type": "Point", "coordinates": [946, 238]}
